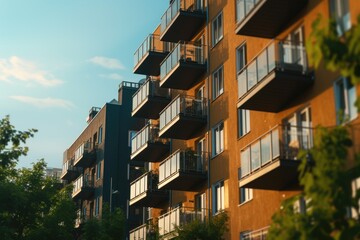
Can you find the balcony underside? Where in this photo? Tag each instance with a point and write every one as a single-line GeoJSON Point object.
{"type": "Point", "coordinates": [270, 17]}
{"type": "Point", "coordinates": [151, 152]}
{"type": "Point", "coordinates": [274, 92]}
{"type": "Point", "coordinates": [184, 26]}
{"type": "Point", "coordinates": [151, 107]}
{"type": "Point", "coordinates": [150, 199]}
{"type": "Point", "coordinates": [183, 127]}
{"type": "Point", "coordinates": [86, 160]}
{"type": "Point", "coordinates": [150, 63]}
{"type": "Point", "coordinates": [84, 193]}
{"type": "Point", "coordinates": [70, 175]}
{"type": "Point", "coordinates": [183, 181]}
{"type": "Point", "coordinates": [277, 175]}
{"type": "Point", "coordinates": [184, 75]}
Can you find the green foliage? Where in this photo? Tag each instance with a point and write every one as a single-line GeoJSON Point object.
{"type": "Point", "coordinates": [111, 226]}
{"type": "Point", "coordinates": [326, 183]}
{"type": "Point", "coordinates": [213, 229]}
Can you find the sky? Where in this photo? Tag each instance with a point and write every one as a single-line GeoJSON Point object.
{"type": "Point", "coordinates": [60, 58]}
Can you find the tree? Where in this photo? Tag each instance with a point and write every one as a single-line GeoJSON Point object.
{"type": "Point", "coordinates": [213, 229]}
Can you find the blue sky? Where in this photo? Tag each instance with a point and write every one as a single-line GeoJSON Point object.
{"type": "Point", "coordinates": [60, 58]}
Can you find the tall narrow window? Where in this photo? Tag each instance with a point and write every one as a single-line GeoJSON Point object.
{"type": "Point", "coordinates": [100, 135]}
{"type": "Point", "coordinates": [240, 58]}
{"type": "Point", "coordinates": [243, 122]}
{"type": "Point", "coordinates": [355, 185]}
{"type": "Point", "coordinates": [218, 139]}
{"type": "Point", "coordinates": [218, 82]}
{"type": "Point", "coordinates": [218, 197]}
{"type": "Point", "coordinates": [345, 97]}
{"type": "Point", "coordinates": [98, 170]}
{"type": "Point", "coordinates": [339, 10]}
{"type": "Point", "coordinates": [217, 29]}
{"type": "Point", "coordinates": [97, 206]}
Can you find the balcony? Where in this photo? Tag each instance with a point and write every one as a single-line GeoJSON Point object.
{"type": "Point", "coordinates": [265, 18]}
{"type": "Point", "coordinates": [145, 193]}
{"type": "Point", "coordinates": [138, 233]}
{"type": "Point", "coordinates": [149, 55]}
{"type": "Point", "coordinates": [183, 170]}
{"type": "Point", "coordinates": [149, 100]}
{"type": "Point", "coordinates": [178, 217]}
{"type": "Point", "coordinates": [83, 188]}
{"type": "Point", "coordinates": [183, 118]}
{"type": "Point", "coordinates": [183, 67]}
{"type": "Point", "coordinates": [182, 20]}
{"type": "Point", "coordinates": [271, 161]}
{"type": "Point", "coordinates": [80, 219]}
{"type": "Point", "coordinates": [147, 146]}
{"type": "Point", "coordinates": [276, 76]}
{"type": "Point", "coordinates": [69, 172]}
{"type": "Point", "coordinates": [260, 234]}
{"type": "Point", "coordinates": [85, 155]}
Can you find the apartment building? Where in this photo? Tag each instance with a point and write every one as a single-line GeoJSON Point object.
{"type": "Point", "coordinates": [97, 162]}
{"type": "Point", "coordinates": [230, 99]}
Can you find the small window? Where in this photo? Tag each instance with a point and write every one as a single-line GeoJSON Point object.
{"type": "Point", "coordinates": [217, 29]}
{"type": "Point", "coordinates": [355, 185]}
{"type": "Point", "coordinates": [218, 82]}
{"type": "Point", "coordinates": [246, 194]}
{"type": "Point", "coordinates": [100, 135]}
{"type": "Point", "coordinates": [218, 139]}
{"type": "Point", "coordinates": [218, 197]}
{"type": "Point", "coordinates": [243, 122]}
{"type": "Point", "coordinates": [339, 11]}
{"type": "Point", "coordinates": [98, 171]}
{"type": "Point", "coordinates": [345, 97]}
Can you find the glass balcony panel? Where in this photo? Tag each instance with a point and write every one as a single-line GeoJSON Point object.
{"type": "Point", "coordinates": [249, 5]}
{"type": "Point", "coordinates": [265, 149]}
{"type": "Point", "coordinates": [255, 156]}
{"type": "Point", "coordinates": [245, 162]}
{"type": "Point", "coordinates": [275, 144]}
{"type": "Point", "coordinates": [242, 83]}
{"type": "Point", "coordinates": [240, 10]}
{"type": "Point", "coordinates": [262, 65]}
{"type": "Point", "coordinates": [251, 75]}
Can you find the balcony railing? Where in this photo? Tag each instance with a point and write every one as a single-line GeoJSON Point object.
{"type": "Point", "coordinates": [129, 85]}
{"type": "Point", "coordinates": [69, 171]}
{"type": "Point", "coordinates": [150, 133]}
{"type": "Point", "coordinates": [284, 56]}
{"type": "Point", "coordinates": [186, 53]}
{"type": "Point", "coordinates": [150, 89]}
{"type": "Point", "coordinates": [243, 8]}
{"type": "Point", "coordinates": [139, 233]}
{"type": "Point", "coordinates": [259, 234]}
{"type": "Point", "coordinates": [84, 153]}
{"type": "Point", "coordinates": [80, 218]}
{"type": "Point", "coordinates": [173, 12]}
{"type": "Point", "coordinates": [151, 43]}
{"type": "Point", "coordinates": [183, 105]}
{"type": "Point", "coordinates": [178, 217]}
{"type": "Point", "coordinates": [182, 161]}
{"type": "Point", "coordinates": [282, 142]}
{"type": "Point", "coordinates": [81, 183]}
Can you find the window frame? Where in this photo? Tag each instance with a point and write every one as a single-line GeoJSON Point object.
{"type": "Point", "coordinates": [217, 82]}
{"type": "Point", "coordinates": [245, 195]}
{"type": "Point", "coordinates": [216, 35]}
{"type": "Point", "coordinates": [218, 208]}
{"type": "Point", "coordinates": [240, 49]}
{"type": "Point", "coordinates": [217, 129]}
{"type": "Point", "coordinates": [244, 122]}
{"type": "Point", "coordinates": [97, 206]}
{"type": "Point", "coordinates": [100, 135]}
{"type": "Point", "coordinates": [344, 94]}
{"type": "Point", "coordinates": [339, 10]}
{"type": "Point", "coordinates": [98, 170]}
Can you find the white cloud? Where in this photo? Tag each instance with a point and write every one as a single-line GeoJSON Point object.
{"type": "Point", "coordinates": [110, 63]}
{"type": "Point", "coordinates": [114, 76]}
{"type": "Point", "coordinates": [16, 68]}
{"type": "Point", "coordinates": [44, 102]}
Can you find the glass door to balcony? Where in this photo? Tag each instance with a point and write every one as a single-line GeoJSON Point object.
{"type": "Point", "coordinates": [200, 205]}
{"type": "Point", "coordinates": [201, 149]}
{"type": "Point", "coordinates": [294, 48]}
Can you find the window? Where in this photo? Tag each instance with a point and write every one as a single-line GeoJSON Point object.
{"type": "Point", "coordinates": [246, 194]}
{"type": "Point", "coordinates": [217, 29]}
{"type": "Point", "coordinates": [131, 135]}
{"type": "Point", "coordinates": [218, 139]}
{"type": "Point", "coordinates": [97, 206]}
{"type": "Point", "coordinates": [243, 122]}
{"type": "Point", "coordinates": [100, 135]}
{"type": "Point", "coordinates": [218, 82]}
{"type": "Point", "coordinates": [218, 197]}
{"type": "Point", "coordinates": [345, 97]}
{"type": "Point", "coordinates": [98, 170]}
{"type": "Point", "coordinates": [355, 185]}
{"type": "Point", "coordinates": [240, 58]}
{"type": "Point", "coordinates": [339, 10]}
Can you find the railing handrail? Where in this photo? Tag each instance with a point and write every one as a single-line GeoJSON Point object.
{"type": "Point", "coordinates": [262, 231]}
{"type": "Point", "coordinates": [181, 43]}
{"type": "Point", "coordinates": [147, 173]}
{"type": "Point", "coordinates": [171, 210]}
{"type": "Point", "coordinates": [182, 151]}
{"type": "Point", "coordinates": [149, 125]}
{"type": "Point", "coordinates": [183, 97]}
{"type": "Point", "coordinates": [138, 228]}
{"type": "Point", "coordinates": [151, 35]}
{"type": "Point", "coordinates": [129, 84]}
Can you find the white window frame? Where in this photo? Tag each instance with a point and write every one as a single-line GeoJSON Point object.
{"type": "Point", "coordinates": [218, 144]}
{"type": "Point", "coordinates": [245, 195]}
{"type": "Point", "coordinates": [340, 11]}
{"type": "Point", "coordinates": [343, 101]}
{"type": "Point", "coordinates": [244, 126]}
{"type": "Point", "coordinates": [218, 82]}
{"type": "Point", "coordinates": [217, 29]}
{"type": "Point", "coordinates": [240, 57]}
{"type": "Point", "coordinates": [218, 197]}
